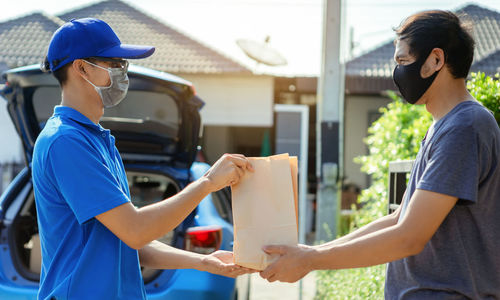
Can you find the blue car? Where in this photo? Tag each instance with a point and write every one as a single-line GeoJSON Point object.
{"type": "Point", "coordinates": [157, 129]}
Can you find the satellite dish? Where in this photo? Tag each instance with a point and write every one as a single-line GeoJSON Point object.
{"type": "Point", "coordinates": [261, 52]}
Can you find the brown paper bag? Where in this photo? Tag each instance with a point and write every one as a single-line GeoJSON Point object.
{"type": "Point", "coordinates": [265, 209]}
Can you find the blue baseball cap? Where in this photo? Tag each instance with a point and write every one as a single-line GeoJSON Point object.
{"type": "Point", "coordinates": [88, 37]}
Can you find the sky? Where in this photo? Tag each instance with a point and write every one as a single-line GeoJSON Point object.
{"type": "Point", "coordinates": [294, 26]}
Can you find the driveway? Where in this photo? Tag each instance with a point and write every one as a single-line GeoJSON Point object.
{"type": "Point", "coordinates": [260, 289]}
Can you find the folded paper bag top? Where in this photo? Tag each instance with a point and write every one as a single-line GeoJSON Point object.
{"type": "Point", "coordinates": [265, 209]}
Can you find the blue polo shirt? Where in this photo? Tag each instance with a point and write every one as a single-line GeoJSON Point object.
{"type": "Point", "coordinates": [77, 175]}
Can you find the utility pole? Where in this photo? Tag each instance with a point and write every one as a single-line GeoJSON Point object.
{"type": "Point", "coordinates": [330, 124]}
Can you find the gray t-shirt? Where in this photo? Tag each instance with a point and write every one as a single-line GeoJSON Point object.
{"type": "Point", "coordinates": [460, 157]}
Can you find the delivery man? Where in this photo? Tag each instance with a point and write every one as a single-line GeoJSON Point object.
{"type": "Point", "coordinates": [93, 239]}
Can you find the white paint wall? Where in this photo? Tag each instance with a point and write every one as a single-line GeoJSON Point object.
{"type": "Point", "coordinates": [10, 145]}
{"type": "Point", "coordinates": [236, 100]}
{"type": "Point", "coordinates": [357, 110]}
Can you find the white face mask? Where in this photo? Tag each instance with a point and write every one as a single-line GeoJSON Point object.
{"type": "Point", "coordinates": [114, 93]}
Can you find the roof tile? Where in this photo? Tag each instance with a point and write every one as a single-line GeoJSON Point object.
{"type": "Point", "coordinates": [175, 51]}
{"type": "Point", "coordinates": [25, 40]}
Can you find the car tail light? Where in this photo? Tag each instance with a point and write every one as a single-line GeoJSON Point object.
{"type": "Point", "coordinates": [203, 239]}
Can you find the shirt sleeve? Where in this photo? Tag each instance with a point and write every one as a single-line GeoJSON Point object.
{"type": "Point", "coordinates": [82, 178]}
{"type": "Point", "coordinates": [453, 165]}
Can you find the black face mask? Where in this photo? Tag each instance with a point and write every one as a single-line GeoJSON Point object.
{"type": "Point", "coordinates": [409, 82]}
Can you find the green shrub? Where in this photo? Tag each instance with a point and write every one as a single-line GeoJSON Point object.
{"type": "Point", "coordinates": [396, 135]}
{"type": "Point", "coordinates": [362, 283]}
{"type": "Point", "coordinates": [487, 91]}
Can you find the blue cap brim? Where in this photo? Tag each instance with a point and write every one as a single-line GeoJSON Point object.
{"type": "Point", "coordinates": [128, 51]}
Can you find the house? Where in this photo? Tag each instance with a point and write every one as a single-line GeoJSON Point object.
{"type": "Point", "coordinates": [236, 99]}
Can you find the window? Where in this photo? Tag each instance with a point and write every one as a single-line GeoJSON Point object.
{"type": "Point", "coordinates": [138, 106]}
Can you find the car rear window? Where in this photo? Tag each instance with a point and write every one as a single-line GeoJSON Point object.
{"type": "Point", "coordinates": [137, 106]}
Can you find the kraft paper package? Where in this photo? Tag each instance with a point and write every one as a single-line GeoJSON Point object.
{"type": "Point", "coordinates": [265, 210]}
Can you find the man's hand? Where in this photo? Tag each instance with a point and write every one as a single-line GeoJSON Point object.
{"type": "Point", "coordinates": [221, 263]}
{"type": "Point", "coordinates": [292, 264]}
{"type": "Point", "coordinates": [228, 170]}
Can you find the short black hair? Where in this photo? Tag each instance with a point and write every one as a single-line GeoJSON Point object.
{"type": "Point", "coordinates": [431, 29]}
{"type": "Point", "coordinates": [60, 74]}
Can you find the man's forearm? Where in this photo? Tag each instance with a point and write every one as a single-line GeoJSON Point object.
{"type": "Point", "coordinates": [378, 247]}
{"type": "Point", "coordinates": [156, 220]}
{"type": "Point", "coordinates": [139, 227]}
{"type": "Point", "coordinates": [157, 255]}
{"type": "Point", "coordinates": [425, 213]}
{"type": "Point", "coordinates": [374, 226]}
{"type": "Point", "coordinates": [384, 239]}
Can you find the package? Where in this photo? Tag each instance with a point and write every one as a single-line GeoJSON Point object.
{"type": "Point", "coordinates": [265, 209]}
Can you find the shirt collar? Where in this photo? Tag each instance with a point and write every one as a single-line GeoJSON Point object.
{"type": "Point", "coordinates": [76, 116]}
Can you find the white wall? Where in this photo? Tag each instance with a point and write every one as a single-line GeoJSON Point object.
{"type": "Point", "coordinates": [10, 145]}
{"type": "Point", "coordinates": [357, 111]}
{"type": "Point", "coordinates": [235, 100]}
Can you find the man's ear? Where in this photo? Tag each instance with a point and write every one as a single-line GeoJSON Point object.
{"type": "Point", "coordinates": [435, 62]}
{"type": "Point", "coordinates": [78, 66]}
{"type": "Point", "coordinates": [438, 59]}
